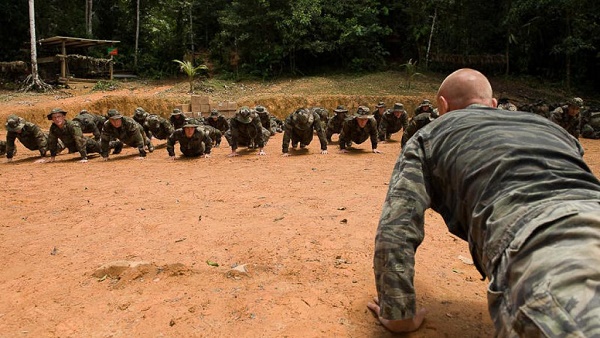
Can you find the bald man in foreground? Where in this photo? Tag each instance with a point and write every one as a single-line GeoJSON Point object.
{"type": "Point", "coordinates": [515, 186]}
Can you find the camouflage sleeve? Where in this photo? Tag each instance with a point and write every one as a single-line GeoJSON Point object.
{"type": "Point", "coordinates": [287, 134]}
{"type": "Point", "coordinates": [171, 141]}
{"type": "Point", "coordinates": [80, 141]}
{"type": "Point", "coordinates": [404, 121]}
{"type": "Point", "coordinates": [408, 132]}
{"type": "Point", "coordinates": [10, 144]}
{"type": "Point", "coordinates": [52, 141]}
{"type": "Point", "coordinates": [260, 142]}
{"type": "Point", "coordinates": [168, 127]}
{"type": "Point", "coordinates": [207, 142]}
{"type": "Point", "coordinates": [138, 135]}
{"type": "Point", "coordinates": [344, 137]}
{"type": "Point", "coordinates": [382, 128]}
{"type": "Point", "coordinates": [105, 140]}
{"type": "Point", "coordinates": [373, 132]}
{"type": "Point", "coordinates": [233, 127]}
{"type": "Point", "coordinates": [41, 139]}
{"type": "Point", "coordinates": [400, 232]}
{"type": "Point", "coordinates": [320, 132]}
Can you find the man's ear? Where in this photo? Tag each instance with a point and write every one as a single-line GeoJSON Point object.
{"type": "Point", "coordinates": [494, 102]}
{"type": "Point", "coordinates": [442, 105]}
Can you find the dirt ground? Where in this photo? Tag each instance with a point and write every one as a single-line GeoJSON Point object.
{"type": "Point", "coordinates": [252, 246]}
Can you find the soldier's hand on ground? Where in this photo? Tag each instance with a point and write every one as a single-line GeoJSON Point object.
{"type": "Point", "coordinates": [383, 141]}
{"type": "Point", "coordinates": [261, 153]}
{"type": "Point", "coordinates": [51, 159]}
{"type": "Point", "coordinates": [8, 160]}
{"type": "Point", "coordinates": [401, 325]}
{"type": "Point", "coordinates": [324, 151]}
{"type": "Point", "coordinates": [206, 155]}
{"type": "Point", "coordinates": [105, 158]}
{"type": "Point", "coordinates": [83, 160]}
{"type": "Point", "coordinates": [343, 151]}
{"type": "Point", "coordinates": [171, 158]}
{"type": "Point", "coordinates": [140, 158]}
{"type": "Point", "coordinates": [233, 154]}
{"type": "Point", "coordinates": [286, 154]}
{"type": "Point", "coordinates": [376, 151]}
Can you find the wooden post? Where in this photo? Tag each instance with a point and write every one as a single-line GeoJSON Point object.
{"type": "Point", "coordinates": [110, 68]}
{"type": "Point", "coordinates": [63, 62]}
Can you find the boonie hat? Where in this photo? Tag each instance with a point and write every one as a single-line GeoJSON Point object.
{"type": "Point", "coordinates": [114, 114]}
{"type": "Point", "coordinates": [243, 115]}
{"type": "Point", "coordinates": [176, 111]}
{"type": "Point", "coordinates": [363, 112]}
{"type": "Point", "coordinates": [14, 123]}
{"type": "Point", "coordinates": [56, 111]}
{"type": "Point", "coordinates": [576, 101]}
{"type": "Point", "coordinates": [381, 104]}
{"type": "Point", "coordinates": [341, 109]}
{"type": "Point", "coordinates": [398, 107]}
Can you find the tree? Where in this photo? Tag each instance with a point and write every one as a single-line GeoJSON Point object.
{"type": "Point", "coordinates": [33, 80]}
{"type": "Point", "coordinates": [191, 71]}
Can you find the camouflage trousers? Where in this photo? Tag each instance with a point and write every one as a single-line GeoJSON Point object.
{"type": "Point", "coordinates": [549, 284]}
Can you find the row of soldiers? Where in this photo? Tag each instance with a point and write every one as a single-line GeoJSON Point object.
{"type": "Point", "coordinates": [196, 136]}
{"type": "Point", "coordinates": [573, 116]}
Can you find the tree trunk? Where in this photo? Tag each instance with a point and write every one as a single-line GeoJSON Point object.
{"type": "Point", "coordinates": [430, 38]}
{"type": "Point", "coordinates": [88, 16]}
{"type": "Point", "coordinates": [137, 35]}
{"type": "Point", "coordinates": [33, 80]}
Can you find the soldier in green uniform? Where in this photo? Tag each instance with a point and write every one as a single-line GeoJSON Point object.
{"type": "Point", "coordinates": [214, 133]}
{"type": "Point", "coordinates": [392, 122]}
{"type": "Point", "coordinates": [299, 128]}
{"type": "Point", "coordinates": [378, 112]}
{"type": "Point", "coordinates": [516, 187]}
{"type": "Point", "coordinates": [217, 120]}
{"type": "Point", "coordinates": [590, 124]}
{"type": "Point", "coordinates": [29, 134]}
{"type": "Point", "coordinates": [124, 129]}
{"type": "Point", "coordinates": [267, 120]}
{"type": "Point", "coordinates": [567, 116]}
{"type": "Point", "coordinates": [245, 129]}
{"type": "Point", "coordinates": [177, 118]}
{"type": "Point", "coordinates": [335, 123]}
{"type": "Point", "coordinates": [425, 107]}
{"type": "Point", "coordinates": [193, 141]}
{"type": "Point", "coordinates": [90, 123]}
{"type": "Point", "coordinates": [323, 116]}
{"type": "Point", "coordinates": [158, 127]}
{"type": "Point", "coordinates": [416, 122]}
{"type": "Point", "coordinates": [358, 129]}
{"type": "Point", "coordinates": [69, 132]}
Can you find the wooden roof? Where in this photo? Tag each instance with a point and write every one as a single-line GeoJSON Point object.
{"type": "Point", "coordinates": [74, 42]}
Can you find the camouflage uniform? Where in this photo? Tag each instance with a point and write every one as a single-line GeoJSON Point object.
{"type": "Point", "coordinates": [90, 123]}
{"type": "Point", "coordinates": [214, 133]}
{"type": "Point", "coordinates": [540, 108]}
{"type": "Point", "coordinates": [300, 127]}
{"type": "Point", "coordinates": [29, 134]}
{"type": "Point", "coordinates": [378, 112]}
{"type": "Point", "coordinates": [130, 133]}
{"type": "Point", "coordinates": [504, 103]}
{"type": "Point", "coordinates": [416, 123]}
{"type": "Point", "coordinates": [72, 138]}
{"type": "Point", "coordinates": [2, 148]}
{"type": "Point", "coordinates": [562, 117]}
{"type": "Point", "coordinates": [425, 107]}
{"type": "Point", "coordinates": [334, 125]}
{"type": "Point", "coordinates": [390, 123]}
{"type": "Point", "coordinates": [323, 116]}
{"type": "Point", "coordinates": [267, 120]}
{"type": "Point", "coordinates": [352, 132]}
{"type": "Point", "coordinates": [158, 127]}
{"type": "Point", "coordinates": [218, 121]}
{"type": "Point", "coordinates": [518, 190]}
{"type": "Point", "coordinates": [245, 129]}
{"type": "Point", "coordinates": [177, 118]}
{"type": "Point", "coordinates": [590, 124]}
{"type": "Point", "coordinates": [140, 116]}
{"type": "Point", "coordinates": [199, 144]}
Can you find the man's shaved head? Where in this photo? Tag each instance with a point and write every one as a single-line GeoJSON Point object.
{"type": "Point", "coordinates": [463, 88]}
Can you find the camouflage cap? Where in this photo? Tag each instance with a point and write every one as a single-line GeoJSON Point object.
{"type": "Point", "coordinates": [244, 115]}
{"type": "Point", "coordinates": [84, 111]}
{"type": "Point", "coordinates": [576, 102]}
{"type": "Point", "coordinates": [176, 111]}
{"type": "Point", "coordinates": [260, 109]}
{"type": "Point", "coordinates": [190, 124]}
{"type": "Point", "coordinates": [363, 112]}
{"type": "Point", "coordinates": [398, 107]}
{"type": "Point", "coordinates": [152, 119]}
{"type": "Point", "coordinates": [139, 111]}
{"type": "Point", "coordinates": [214, 112]}
{"type": "Point", "coordinates": [56, 111]}
{"type": "Point", "coordinates": [14, 123]}
{"type": "Point", "coordinates": [340, 109]}
{"type": "Point", "coordinates": [381, 104]}
{"type": "Point", "coordinates": [426, 102]}
{"type": "Point", "coordinates": [303, 118]}
{"type": "Point", "coordinates": [114, 114]}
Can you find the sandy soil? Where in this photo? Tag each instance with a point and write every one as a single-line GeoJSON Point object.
{"type": "Point", "coordinates": [220, 247]}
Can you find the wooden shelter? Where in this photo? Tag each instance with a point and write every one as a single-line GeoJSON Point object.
{"type": "Point", "coordinates": [65, 43]}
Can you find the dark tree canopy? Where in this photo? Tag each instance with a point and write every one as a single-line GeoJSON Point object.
{"type": "Point", "coordinates": [555, 40]}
